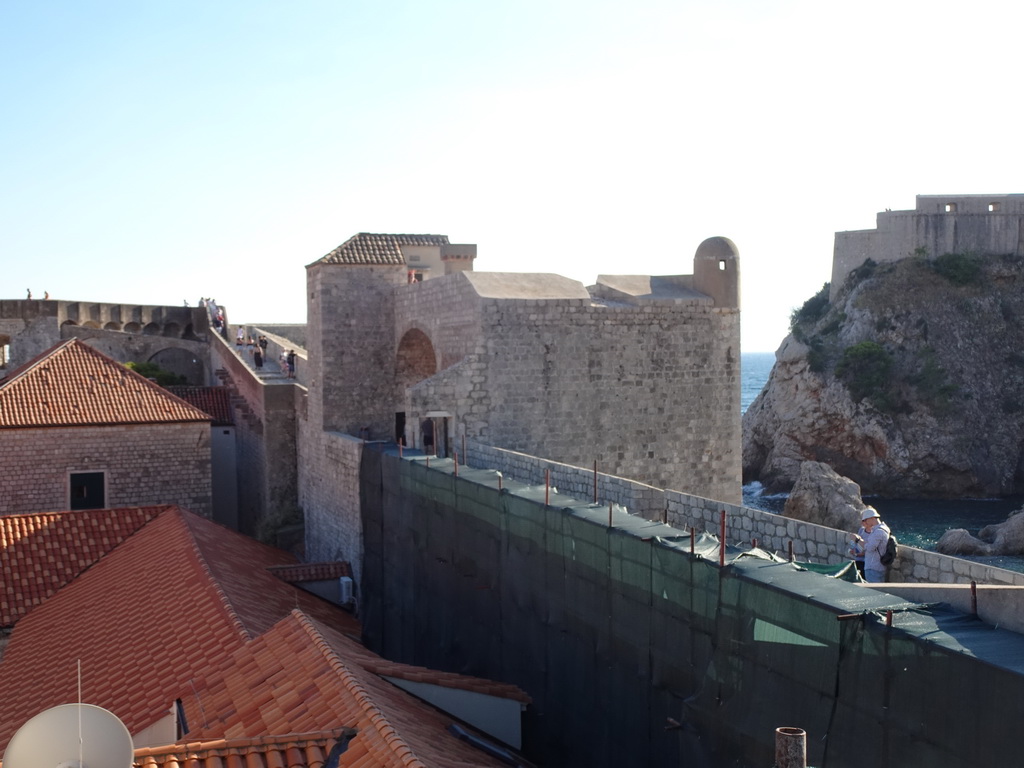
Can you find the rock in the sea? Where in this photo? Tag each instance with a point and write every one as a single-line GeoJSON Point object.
{"type": "Point", "coordinates": [823, 496]}
{"type": "Point", "coordinates": [1006, 538]}
{"type": "Point", "coordinates": [958, 541]}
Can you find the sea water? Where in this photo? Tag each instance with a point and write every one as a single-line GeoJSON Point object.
{"type": "Point", "coordinates": [915, 522]}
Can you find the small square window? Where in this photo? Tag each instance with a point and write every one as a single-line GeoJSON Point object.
{"type": "Point", "coordinates": [87, 490]}
{"type": "Point", "coordinates": [721, 265]}
{"type": "Point", "coordinates": [993, 207]}
{"type": "Point", "coordinates": [950, 207]}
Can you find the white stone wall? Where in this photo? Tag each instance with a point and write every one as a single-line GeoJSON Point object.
{"type": "Point", "coordinates": [144, 464]}
{"type": "Point", "coordinates": [351, 365]}
{"type": "Point", "coordinates": [329, 496]}
{"type": "Point", "coordinates": [649, 392]}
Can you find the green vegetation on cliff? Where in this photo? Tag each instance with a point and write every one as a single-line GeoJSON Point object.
{"type": "Point", "coordinates": [909, 380]}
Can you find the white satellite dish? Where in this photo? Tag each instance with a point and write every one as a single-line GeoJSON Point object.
{"type": "Point", "coordinates": [71, 736]}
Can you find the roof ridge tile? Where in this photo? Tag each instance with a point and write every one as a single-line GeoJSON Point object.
{"type": "Point", "coordinates": [380, 721]}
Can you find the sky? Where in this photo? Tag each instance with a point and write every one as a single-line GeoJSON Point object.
{"type": "Point", "coordinates": [155, 152]}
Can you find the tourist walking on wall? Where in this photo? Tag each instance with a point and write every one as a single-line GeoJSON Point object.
{"type": "Point", "coordinates": [290, 358]}
{"type": "Point", "coordinates": [875, 540]}
{"type": "Point", "coordinates": [257, 358]}
{"type": "Point", "coordinates": [240, 337]}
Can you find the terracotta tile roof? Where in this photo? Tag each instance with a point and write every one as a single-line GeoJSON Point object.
{"type": "Point", "coordinates": [305, 750]}
{"type": "Point", "coordinates": [311, 571]}
{"type": "Point", "coordinates": [268, 675]}
{"type": "Point", "coordinates": [215, 402]}
{"type": "Point", "coordinates": [368, 248]}
{"type": "Point", "coordinates": [40, 553]}
{"type": "Point", "coordinates": [73, 384]}
{"type": "Point", "coordinates": [318, 678]}
{"type": "Point", "coordinates": [147, 620]}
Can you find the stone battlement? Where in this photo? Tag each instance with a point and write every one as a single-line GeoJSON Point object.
{"type": "Point", "coordinates": [980, 224]}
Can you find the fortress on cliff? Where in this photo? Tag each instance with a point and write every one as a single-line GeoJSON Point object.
{"type": "Point", "coordinates": [978, 224]}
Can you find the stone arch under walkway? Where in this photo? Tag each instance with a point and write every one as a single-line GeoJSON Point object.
{"type": "Point", "coordinates": [415, 361]}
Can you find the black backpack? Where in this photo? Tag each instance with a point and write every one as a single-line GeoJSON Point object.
{"type": "Point", "coordinates": [891, 551]}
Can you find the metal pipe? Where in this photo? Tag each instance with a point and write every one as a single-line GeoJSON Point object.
{"type": "Point", "coordinates": [595, 481]}
{"type": "Point", "coordinates": [721, 539]}
{"type": "Point", "coordinates": [463, 447]}
{"type": "Point", "coordinates": [455, 459]}
{"type": "Point", "coordinates": [790, 748]}
{"type": "Point", "coordinates": [753, 543]}
{"type": "Point", "coordinates": [888, 618]}
{"type": "Point", "coordinates": [974, 598]}
{"type": "Point", "coordinates": [693, 535]}
{"type": "Point", "coordinates": [609, 514]}
{"type": "Point", "coordinates": [547, 487]}
{"type": "Point", "coordinates": [792, 557]}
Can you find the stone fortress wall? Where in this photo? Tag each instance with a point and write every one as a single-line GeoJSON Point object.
{"type": "Point", "coordinates": [647, 389]}
{"type": "Point", "coordinates": [812, 543]}
{"type": "Point", "coordinates": [172, 337]}
{"type": "Point", "coordinates": [641, 372]}
{"type": "Point", "coordinates": [979, 224]}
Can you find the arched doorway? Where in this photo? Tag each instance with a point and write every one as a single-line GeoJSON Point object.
{"type": "Point", "coordinates": [414, 362]}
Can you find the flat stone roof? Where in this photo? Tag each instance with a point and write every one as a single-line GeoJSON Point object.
{"type": "Point", "coordinates": [525, 285]}
{"type": "Point", "coordinates": [649, 288]}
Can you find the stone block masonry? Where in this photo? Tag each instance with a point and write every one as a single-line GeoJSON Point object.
{"type": "Point", "coordinates": [329, 464]}
{"type": "Point", "coordinates": [649, 390]}
{"type": "Point", "coordinates": [811, 543]}
{"type": "Point", "coordinates": [142, 464]}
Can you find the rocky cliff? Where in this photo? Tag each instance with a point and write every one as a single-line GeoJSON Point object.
{"type": "Point", "coordinates": [911, 383]}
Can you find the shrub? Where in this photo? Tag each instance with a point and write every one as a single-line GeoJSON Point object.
{"type": "Point", "coordinates": [932, 382]}
{"type": "Point", "coordinates": [863, 272]}
{"type": "Point", "coordinates": [958, 268]}
{"type": "Point", "coordinates": [154, 371]}
{"type": "Point", "coordinates": [865, 368]}
{"type": "Point", "coordinates": [811, 312]}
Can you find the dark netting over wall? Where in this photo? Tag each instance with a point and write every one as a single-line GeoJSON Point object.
{"type": "Point", "coordinates": [637, 652]}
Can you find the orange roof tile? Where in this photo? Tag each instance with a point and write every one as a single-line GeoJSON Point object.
{"type": "Point", "coordinates": [370, 248]}
{"type": "Point", "coordinates": [213, 401]}
{"type": "Point", "coordinates": [312, 571]}
{"type": "Point", "coordinates": [40, 553]}
{"type": "Point", "coordinates": [268, 674]}
{"type": "Point", "coordinates": [73, 384]}
{"type": "Point", "coordinates": [304, 750]}
{"type": "Point", "coordinates": [319, 678]}
{"type": "Point", "coordinates": [147, 621]}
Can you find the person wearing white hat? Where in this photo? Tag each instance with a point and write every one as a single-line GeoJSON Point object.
{"type": "Point", "coordinates": [877, 536]}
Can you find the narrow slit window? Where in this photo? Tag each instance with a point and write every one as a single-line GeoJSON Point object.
{"type": "Point", "coordinates": [721, 265]}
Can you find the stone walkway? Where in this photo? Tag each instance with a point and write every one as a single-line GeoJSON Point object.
{"type": "Point", "coordinates": [271, 371]}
